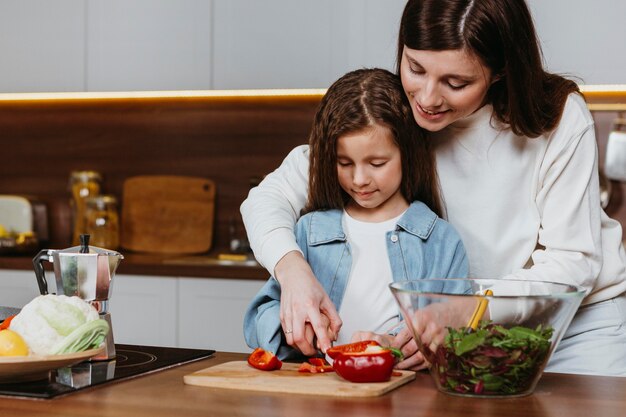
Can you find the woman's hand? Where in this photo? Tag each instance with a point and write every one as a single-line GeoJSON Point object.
{"type": "Point", "coordinates": [430, 324]}
{"type": "Point", "coordinates": [304, 301]}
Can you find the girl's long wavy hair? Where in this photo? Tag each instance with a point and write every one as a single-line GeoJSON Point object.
{"type": "Point", "coordinates": [357, 101]}
{"type": "Point", "coordinates": [502, 35]}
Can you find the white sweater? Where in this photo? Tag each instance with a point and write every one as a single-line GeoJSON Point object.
{"type": "Point", "coordinates": [525, 208]}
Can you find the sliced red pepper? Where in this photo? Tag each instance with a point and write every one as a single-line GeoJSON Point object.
{"type": "Point", "coordinates": [264, 360]}
{"type": "Point", "coordinates": [374, 366]}
{"type": "Point", "coordinates": [355, 347]}
{"type": "Point", "coordinates": [6, 323]}
{"type": "Point", "coordinates": [315, 366]}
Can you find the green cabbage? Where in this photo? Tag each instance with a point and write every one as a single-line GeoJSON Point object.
{"type": "Point", "coordinates": [61, 316]}
{"type": "Point", "coordinates": [53, 324]}
{"type": "Point", "coordinates": [88, 336]}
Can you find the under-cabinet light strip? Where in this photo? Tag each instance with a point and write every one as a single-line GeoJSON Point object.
{"type": "Point", "coordinates": [160, 94]}
{"type": "Point", "coordinates": [598, 92]}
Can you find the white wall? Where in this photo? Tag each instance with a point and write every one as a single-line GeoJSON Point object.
{"type": "Point", "coordinates": [98, 45]}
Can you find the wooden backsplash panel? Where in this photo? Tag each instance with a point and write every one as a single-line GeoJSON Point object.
{"type": "Point", "coordinates": [230, 140]}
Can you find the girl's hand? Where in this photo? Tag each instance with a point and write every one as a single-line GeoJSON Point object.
{"type": "Point", "coordinates": [413, 359]}
{"type": "Point", "coordinates": [382, 339]}
{"type": "Point", "coordinates": [304, 302]}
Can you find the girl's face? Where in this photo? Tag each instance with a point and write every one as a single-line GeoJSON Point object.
{"type": "Point", "coordinates": [369, 166]}
{"type": "Point", "coordinates": [443, 86]}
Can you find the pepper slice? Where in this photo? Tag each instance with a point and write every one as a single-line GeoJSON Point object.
{"type": "Point", "coordinates": [356, 347]}
{"type": "Point", "coordinates": [264, 360]}
{"type": "Point", "coordinates": [6, 323]}
{"type": "Point", "coordinates": [315, 366]}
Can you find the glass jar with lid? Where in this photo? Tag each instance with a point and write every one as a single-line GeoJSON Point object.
{"type": "Point", "coordinates": [102, 221]}
{"type": "Point", "coordinates": [83, 185]}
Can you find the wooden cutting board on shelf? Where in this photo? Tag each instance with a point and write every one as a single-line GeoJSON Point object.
{"type": "Point", "coordinates": [167, 214]}
{"type": "Point", "coordinates": [239, 375]}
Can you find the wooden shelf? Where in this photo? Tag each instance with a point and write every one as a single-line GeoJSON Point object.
{"type": "Point", "coordinates": [159, 265]}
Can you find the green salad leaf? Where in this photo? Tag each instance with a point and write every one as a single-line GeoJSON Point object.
{"type": "Point", "coordinates": [492, 360]}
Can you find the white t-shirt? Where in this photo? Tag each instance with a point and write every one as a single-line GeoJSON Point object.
{"type": "Point", "coordinates": [367, 304]}
{"type": "Point", "coordinates": [527, 208]}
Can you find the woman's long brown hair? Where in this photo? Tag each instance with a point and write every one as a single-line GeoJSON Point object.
{"type": "Point", "coordinates": [357, 101]}
{"type": "Point", "coordinates": [502, 35]}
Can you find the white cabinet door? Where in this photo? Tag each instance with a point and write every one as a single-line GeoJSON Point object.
{"type": "Point", "coordinates": [17, 288]}
{"type": "Point", "coordinates": [114, 45]}
{"type": "Point", "coordinates": [272, 43]}
{"type": "Point", "coordinates": [148, 45]}
{"type": "Point", "coordinates": [301, 44]}
{"type": "Point", "coordinates": [42, 45]}
{"type": "Point", "coordinates": [144, 310]}
{"type": "Point", "coordinates": [211, 312]}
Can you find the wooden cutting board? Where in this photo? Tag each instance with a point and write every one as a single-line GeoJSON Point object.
{"type": "Point", "coordinates": [168, 214]}
{"type": "Point", "coordinates": [239, 375]}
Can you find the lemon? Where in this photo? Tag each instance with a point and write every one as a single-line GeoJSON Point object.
{"type": "Point", "coordinates": [12, 344]}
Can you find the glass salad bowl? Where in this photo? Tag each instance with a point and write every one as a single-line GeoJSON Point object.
{"type": "Point", "coordinates": [484, 337]}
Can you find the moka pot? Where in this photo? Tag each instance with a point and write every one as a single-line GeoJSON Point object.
{"type": "Point", "coordinates": [84, 271]}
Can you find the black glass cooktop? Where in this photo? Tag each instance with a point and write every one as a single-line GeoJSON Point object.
{"type": "Point", "coordinates": [130, 361]}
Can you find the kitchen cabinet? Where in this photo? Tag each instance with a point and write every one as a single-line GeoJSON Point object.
{"type": "Point", "coordinates": [160, 310]}
{"type": "Point", "coordinates": [181, 312]}
{"type": "Point", "coordinates": [148, 45]}
{"type": "Point", "coordinates": [42, 44]}
{"type": "Point", "coordinates": [120, 45]}
{"type": "Point", "coordinates": [298, 44]}
{"type": "Point", "coordinates": [19, 287]}
{"type": "Point", "coordinates": [211, 312]}
{"type": "Point", "coordinates": [144, 310]}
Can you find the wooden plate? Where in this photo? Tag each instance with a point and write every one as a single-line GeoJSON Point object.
{"type": "Point", "coordinates": [35, 367]}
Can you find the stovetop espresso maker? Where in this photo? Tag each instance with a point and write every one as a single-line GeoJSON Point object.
{"type": "Point", "coordinates": [84, 271]}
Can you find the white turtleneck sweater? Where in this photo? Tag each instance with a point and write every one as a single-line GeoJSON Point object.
{"type": "Point", "coordinates": [525, 208]}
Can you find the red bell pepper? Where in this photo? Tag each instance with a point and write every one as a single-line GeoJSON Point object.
{"type": "Point", "coordinates": [6, 323]}
{"type": "Point", "coordinates": [365, 367]}
{"type": "Point", "coordinates": [364, 361]}
{"type": "Point", "coordinates": [315, 366]}
{"type": "Point", "coordinates": [264, 360]}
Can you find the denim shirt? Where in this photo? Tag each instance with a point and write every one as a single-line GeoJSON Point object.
{"type": "Point", "coordinates": [421, 246]}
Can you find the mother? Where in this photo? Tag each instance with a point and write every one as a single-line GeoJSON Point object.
{"type": "Point", "coordinates": [517, 160]}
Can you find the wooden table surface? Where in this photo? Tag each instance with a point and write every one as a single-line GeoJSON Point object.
{"type": "Point", "coordinates": [164, 394]}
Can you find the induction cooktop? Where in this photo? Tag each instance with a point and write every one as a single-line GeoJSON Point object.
{"type": "Point", "coordinates": [130, 361]}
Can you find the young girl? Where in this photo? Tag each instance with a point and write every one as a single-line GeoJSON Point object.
{"type": "Point", "coordinates": [371, 214]}
{"type": "Point", "coordinates": [517, 160]}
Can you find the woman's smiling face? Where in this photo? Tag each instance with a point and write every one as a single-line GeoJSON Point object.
{"type": "Point", "coordinates": [443, 86]}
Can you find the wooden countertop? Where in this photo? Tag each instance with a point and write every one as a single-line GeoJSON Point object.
{"type": "Point", "coordinates": [165, 394]}
{"type": "Point", "coordinates": [201, 266]}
